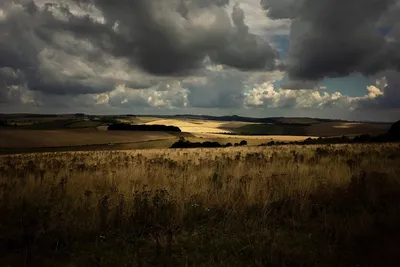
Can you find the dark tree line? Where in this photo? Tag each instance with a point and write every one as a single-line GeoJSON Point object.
{"type": "Point", "coordinates": [182, 143]}
{"type": "Point", "coordinates": [143, 127]}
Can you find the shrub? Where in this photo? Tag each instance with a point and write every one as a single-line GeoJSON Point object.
{"type": "Point", "coordinates": [228, 145]}
{"type": "Point", "coordinates": [182, 143]}
{"type": "Point", "coordinates": [243, 143]}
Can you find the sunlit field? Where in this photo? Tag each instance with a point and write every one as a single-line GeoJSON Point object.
{"type": "Point", "coordinates": [199, 126]}
{"type": "Point", "coordinates": [333, 205]}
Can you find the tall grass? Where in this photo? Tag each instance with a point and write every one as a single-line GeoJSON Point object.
{"type": "Point", "coordinates": [334, 205]}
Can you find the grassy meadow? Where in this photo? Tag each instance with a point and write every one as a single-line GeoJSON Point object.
{"type": "Point", "coordinates": [332, 205]}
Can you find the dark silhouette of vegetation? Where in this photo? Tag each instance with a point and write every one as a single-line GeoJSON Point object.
{"type": "Point", "coordinates": [243, 143]}
{"type": "Point", "coordinates": [394, 131]}
{"type": "Point", "coordinates": [182, 143]}
{"type": "Point", "coordinates": [146, 128]}
{"type": "Point", "coordinates": [109, 120]}
{"type": "Point", "coordinates": [3, 123]}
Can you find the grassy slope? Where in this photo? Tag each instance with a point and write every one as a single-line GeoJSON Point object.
{"type": "Point", "coordinates": [272, 129]}
{"type": "Point", "coordinates": [281, 206]}
{"type": "Point", "coordinates": [50, 125]}
{"type": "Point", "coordinates": [338, 129]}
{"type": "Point", "coordinates": [83, 124]}
{"type": "Point", "coordinates": [324, 129]}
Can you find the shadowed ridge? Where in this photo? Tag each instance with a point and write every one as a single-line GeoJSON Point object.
{"type": "Point", "coordinates": [394, 131]}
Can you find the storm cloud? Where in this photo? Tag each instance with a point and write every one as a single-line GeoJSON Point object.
{"type": "Point", "coordinates": [331, 38]}
{"type": "Point", "coordinates": [196, 54]}
{"type": "Point", "coordinates": [172, 37]}
{"type": "Point", "coordinates": [68, 47]}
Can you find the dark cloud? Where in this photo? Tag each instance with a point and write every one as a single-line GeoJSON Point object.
{"type": "Point", "coordinates": [165, 42]}
{"type": "Point", "coordinates": [244, 50]}
{"type": "Point", "coordinates": [282, 9]}
{"type": "Point", "coordinates": [57, 50]}
{"type": "Point", "coordinates": [22, 53]}
{"type": "Point", "coordinates": [331, 38]}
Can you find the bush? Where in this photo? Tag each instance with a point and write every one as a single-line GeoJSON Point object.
{"type": "Point", "coordinates": [182, 143]}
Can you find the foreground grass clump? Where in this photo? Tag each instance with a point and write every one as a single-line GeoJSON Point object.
{"type": "Point", "coordinates": [254, 206]}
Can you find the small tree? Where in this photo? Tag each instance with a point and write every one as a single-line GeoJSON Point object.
{"type": "Point", "coordinates": [243, 143]}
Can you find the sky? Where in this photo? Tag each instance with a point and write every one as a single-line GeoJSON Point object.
{"type": "Point", "coordinates": [258, 58]}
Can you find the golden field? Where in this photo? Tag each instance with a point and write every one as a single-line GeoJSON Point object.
{"type": "Point", "coordinates": [200, 126]}
{"type": "Point", "coordinates": [332, 205]}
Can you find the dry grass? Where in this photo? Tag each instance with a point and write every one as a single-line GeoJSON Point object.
{"type": "Point", "coordinates": [281, 206]}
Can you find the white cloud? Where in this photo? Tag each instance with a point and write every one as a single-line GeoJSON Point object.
{"type": "Point", "coordinates": [174, 97]}
{"type": "Point", "coordinates": [259, 23]}
{"type": "Point", "coordinates": [374, 91]}
{"type": "Point", "coordinates": [266, 96]}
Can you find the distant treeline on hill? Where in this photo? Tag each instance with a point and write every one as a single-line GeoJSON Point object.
{"type": "Point", "coordinates": [143, 127]}
{"type": "Point", "coordinates": [273, 120]}
{"type": "Point", "coordinates": [393, 135]}
{"type": "Point", "coordinates": [182, 143]}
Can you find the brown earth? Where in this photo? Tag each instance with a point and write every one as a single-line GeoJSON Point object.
{"type": "Point", "coordinates": [62, 138]}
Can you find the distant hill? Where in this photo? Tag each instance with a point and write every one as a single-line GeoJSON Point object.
{"type": "Point", "coordinates": [233, 124]}
{"type": "Point", "coordinates": [273, 120]}
{"type": "Point", "coordinates": [144, 127]}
